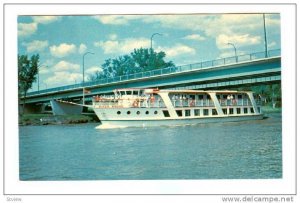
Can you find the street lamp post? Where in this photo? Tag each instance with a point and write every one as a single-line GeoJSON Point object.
{"type": "Point", "coordinates": [83, 65]}
{"type": "Point", "coordinates": [38, 75]}
{"type": "Point", "coordinates": [83, 102]}
{"type": "Point", "coordinates": [265, 36]}
{"type": "Point", "coordinates": [236, 59]}
{"type": "Point", "coordinates": [153, 36]}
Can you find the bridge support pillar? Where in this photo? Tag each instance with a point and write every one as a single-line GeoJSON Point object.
{"type": "Point", "coordinates": [32, 108]}
{"type": "Point", "coordinates": [59, 108]}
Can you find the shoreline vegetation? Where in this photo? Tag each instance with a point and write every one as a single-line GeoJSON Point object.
{"type": "Point", "coordinates": [49, 119]}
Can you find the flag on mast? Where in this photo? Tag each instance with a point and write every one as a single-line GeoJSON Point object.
{"type": "Point", "coordinates": [86, 91]}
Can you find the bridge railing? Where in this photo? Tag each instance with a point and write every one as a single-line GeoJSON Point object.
{"type": "Point", "coordinates": [164, 71]}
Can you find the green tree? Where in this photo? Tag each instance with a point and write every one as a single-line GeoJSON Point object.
{"type": "Point", "coordinates": [147, 59]}
{"type": "Point", "coordinates": [27, 71]}
{"type": "Point", "coordinates": [274, 94]}
{"type": "Point", "coordinates": [139, 60]}
{"type": "Point", "coordinates": [269, 93]}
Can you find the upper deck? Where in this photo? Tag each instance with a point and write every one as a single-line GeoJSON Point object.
{"type": "Point", "coordinates": [155, 98]}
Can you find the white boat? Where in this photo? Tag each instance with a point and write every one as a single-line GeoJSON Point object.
{"type": "Point", "coordinates": [153, 107]}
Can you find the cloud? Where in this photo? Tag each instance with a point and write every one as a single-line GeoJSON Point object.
{"type": "Point", "coordinates": [26, 29]}
{"type": "Point", "coordinates": [125, 46]}
{"type": "Point", "coordinates": [82, 48]}
{"type": "Point", "coordinates": [116, 19]}
{"type": "Point", "coordinates": [113, 36]}
{"type": "Point", "coordinates": [238, 40]}
{"type": "Point", "coordinates": [66, 66]}
{"type": "Point", "coordinates": [178, 49]}
{"type": "Point", "coordinates": [196, 37]}
{"type": "Point", "coordinates": [64, 78]}
{"type": "Point", "coordinates": [62, 50]}
{"type": "Point", "coordinates": [241, 26]}
{"type": "Point", "coordinates": [272, 44]}
{"type": "Point", "coordinates": [226, 53]}
{"type": "Point", "coordinates": [35, 46]}
{"type": "Point", "coordinates": [45, 19]}
{"type": "Point", "coordinates": [93, 70]}
{"type": "Point", "coordinates": [44, 70]}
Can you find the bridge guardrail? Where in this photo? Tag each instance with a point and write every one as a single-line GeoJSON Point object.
{"type": "Point", "coordinates": [164, 71]}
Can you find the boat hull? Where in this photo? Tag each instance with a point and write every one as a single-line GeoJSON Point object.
{"type": "Point", "coordinates": [175, 122]}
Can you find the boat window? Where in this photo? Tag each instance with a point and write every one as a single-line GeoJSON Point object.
{"type": "Point", "coordinates": [252, 110]}
{"type": "Point", "coordinates": [230, 110]}
{"type": "Point", "coordinates": [188, 112]}
{"type": "Point", "coordinates": [240, 96]}
{"type": "Point", "coordinates": [138, 112]}
{"type": "Point", "coordinates": [122, 92]}
{"type": "Point", "coordinates": [238, 110]}
{"type": "Point", "coordinates": [166, 113]}
{"type": "Point", "coordinates": [245, 110]}
{"type": "Point", "coordinates": [119, 112]}
{"type": "Point", "coordinates": [224, 111]}
{"type": "Point", "coordinates": [197, 112]}
{"type": "Point", "coordinates": [205, 112]}
{"type": "Point", "coordinates": [128, 112]}
{"type": "Point", "coordinates": [135, 92]}
{"type": "Point", "coordinates": [200, 96]}
{"type": "Point", "coordinates": [155, 112]}
{"type": "Point", "coordinates": [179, 113]}
{"type": "Point", "coordinates": [129, 92]}
{"type": "Point", "coordinates": [147, 112]}
{"type": "Point", "coordinates": [214, 112]}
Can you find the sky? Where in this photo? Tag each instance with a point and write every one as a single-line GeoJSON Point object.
{"type": "Point", "coordinates": [61, 41]}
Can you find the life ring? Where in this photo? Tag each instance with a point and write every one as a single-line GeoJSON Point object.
{"type": "Point", "coordinates": [97, 98]}
{"type": "Point", "coordinates": [152, 99]}
{"type": "Point", "coordinates": [234, 102]}
{"type": "Point", "coordinates": [192, 103]}
{"type": "Point", "coordinates": [135, 103]}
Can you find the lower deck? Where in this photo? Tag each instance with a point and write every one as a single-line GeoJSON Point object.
{"type": "Point", "coordinates": [164, 114]}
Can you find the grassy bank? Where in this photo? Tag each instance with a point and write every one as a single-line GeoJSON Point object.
{"type": "Point", "coordinates": [270, 109]}
{"type": "Point", "coordinates": [49, 119]}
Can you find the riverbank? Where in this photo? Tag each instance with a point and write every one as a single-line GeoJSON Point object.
{"type": "Point", "coordinates": [49, 119]}
{"type": "Point", "coordinates": [270, 109]}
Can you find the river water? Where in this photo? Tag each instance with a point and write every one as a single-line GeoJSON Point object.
{"type": "Point", "coordinates": [233, 150]}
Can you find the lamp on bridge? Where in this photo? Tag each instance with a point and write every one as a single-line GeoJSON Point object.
{"type": "Point", "coordinates": [236, 59]}
{"type": "Point", "coordinates": [38, 72]}
{"type": "Point", "coordinates": [86, 53]}
{"type": "Point", "coordinates": [153, 36]}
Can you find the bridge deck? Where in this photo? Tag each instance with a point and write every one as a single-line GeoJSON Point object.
{"type": "Point", "coordinates": [215, 72]}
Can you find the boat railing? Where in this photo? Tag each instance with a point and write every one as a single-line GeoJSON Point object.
{"type": "Point", "coordinates": [209, 103]}
{"type": "Point", "coordinates": [235, 102]}
{"type": "Point", "coordinates": [158, 103]}
{"type": "Point", "coordinates": [129, 103]}
{"type": "Point", "coordinates": [192, 102]}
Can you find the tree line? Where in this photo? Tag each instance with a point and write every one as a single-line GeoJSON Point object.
{"type": "Point", "coordinates": [140, 60]}
{"type": "Point", "coordinates": [268, 93]}
{"type": "Point", "coordinates": [27, 74]}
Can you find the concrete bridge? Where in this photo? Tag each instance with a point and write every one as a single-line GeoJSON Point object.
{"type": "Point", "coordinates": [222, 73]}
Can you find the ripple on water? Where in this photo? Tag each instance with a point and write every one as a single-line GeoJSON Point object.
{"type": "Point", "coordinates": [236, 150]}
